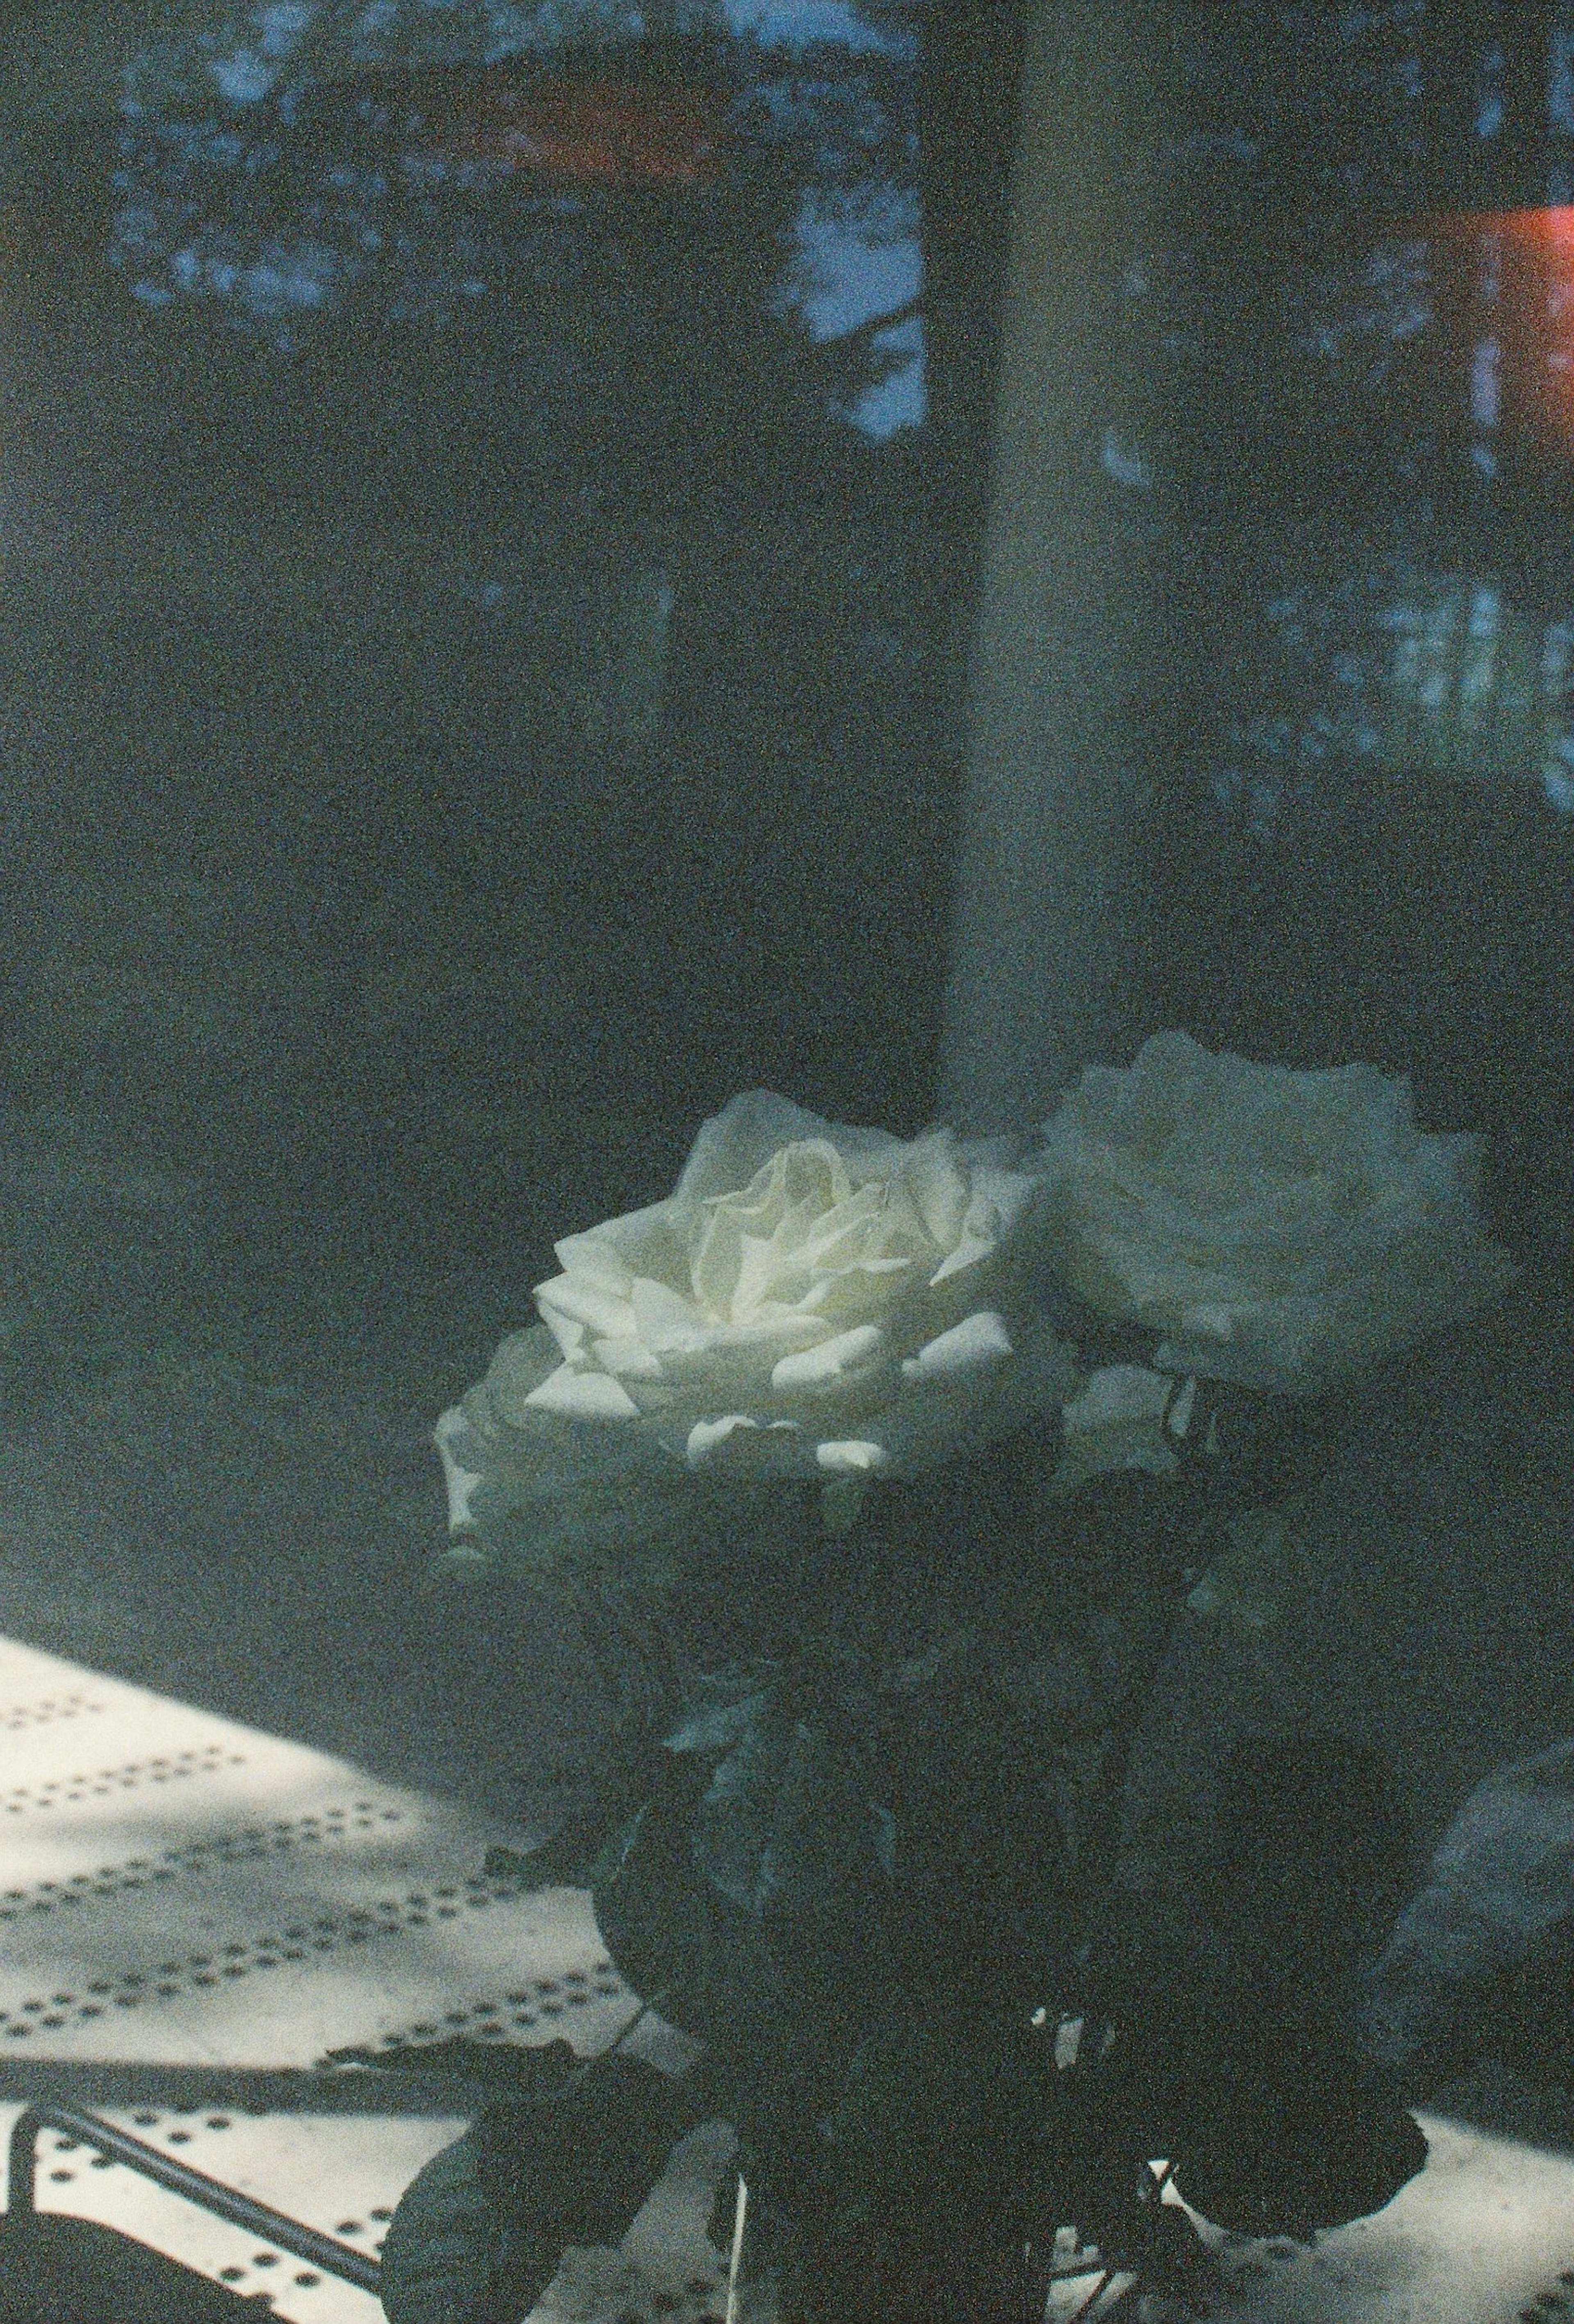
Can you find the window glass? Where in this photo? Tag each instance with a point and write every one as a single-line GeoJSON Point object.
{"type": "Point", "coordinates": [1358, 307]}
{"type": "Point", "coordinates": [577, 577]}
{"type": "Point", "coordinates": [478, 669]}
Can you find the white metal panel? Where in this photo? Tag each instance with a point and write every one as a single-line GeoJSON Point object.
{"type": "Point", "coordinates": [187, 1901]}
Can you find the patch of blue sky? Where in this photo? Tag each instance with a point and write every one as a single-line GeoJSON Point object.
{"type": "Point", "coordinates": [511, 32]}
{"type": "Point", "coordinates": [281, 25]}
{"type": "Point", "coordinates": [1560, 72]}
{"type": "Point", "coordinates": [278, 284]}
{"type": "Point", "coordinates": [506, 28]}
{"type": "Point", "coordinates": [1356, 22]}
{"type": "Point", "coordinates": [285, 281]}
{"type": "Point", "coordinates": [799, 25]}
{"type": "Point", "coordinates": [1124, 461]}
{"type": "Point", "coordinates": [856, 259]}
{"type": "Point", "coordinates": [1272, 736]}
{"type": "Point", "coordinates": [1391, 301]}
{"type": "Point", "coordinates": [900, 400]}
{"type": "Point", "coordinates": [246, 77]}
{"type": "Point", "coordinates": [1558, 784]}
{"type": "Point", "coordinates": [859, 257]}
{"type": "Point", "coordinates": [253, 70]}
{"type": "Point", "coordinates": [1401, 271]}
{"type": "Point", "coordinates": [138, 227]}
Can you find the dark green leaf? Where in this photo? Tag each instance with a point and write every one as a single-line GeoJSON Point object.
{"type": "Point", "coordinates": [479, 2232]}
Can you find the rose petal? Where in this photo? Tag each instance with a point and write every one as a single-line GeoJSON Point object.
{"type": "Point", "coordinates": [523, 1360]}
{"type": "Point", "coordinates": [567, 1332]}
{"type": "Point", "coordinates": [939, 1184]}
{"type": "Point", "coordinates": [583, 1303]}
{"type": "Point", "coordinates": [979, 1341]}
{"type": "Point", "coordinates": [625, 1359]}
{"type": "Point", "coordinates": [706, 1435]}
{"type": "Point", "coordinates": [1116, 1422]}
{"type": "Point", "coordinates": [583, 1396]}
{"type": "Point", "coordinates": [659, 1310]}
{"type": "Point", "coordinates": [744, 1436]}
{"type": "Point", "coordinates": [852, 1456]}
{"type": "Point", "coordinates": [594, 1260]}
{"type": "Point", "coordinates": [736, 1143]}
{"type": "Point", "coordinates": [731, 1364]}
{"type": "Point", "coordinates": [449, 1436]}
{"type": "Point", "coordinates": [850, 1355]}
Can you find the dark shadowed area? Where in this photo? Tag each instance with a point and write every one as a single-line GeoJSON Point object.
{"type": "Point", "coordinates": [502, 518]}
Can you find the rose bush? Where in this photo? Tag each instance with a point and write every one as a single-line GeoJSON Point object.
{"type": "Point", "coordinates": [1279, 1228]}
{"type": "Point", "coordinates": [812, 1301]}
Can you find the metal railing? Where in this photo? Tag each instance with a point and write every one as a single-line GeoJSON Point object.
{"type": "Point", "coordinates": [324, 2252]}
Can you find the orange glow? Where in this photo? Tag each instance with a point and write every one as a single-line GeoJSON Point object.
{"type": "Point", "coordinates": [1533, 318]}
{"type": "Point", "coordinates": [626, 133]}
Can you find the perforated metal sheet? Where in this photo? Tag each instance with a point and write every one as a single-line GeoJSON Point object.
{"type": "Point", "coordinates": [344, 2174]}
{"type": "Point", "coordinates": [191, 1914]}
{"type": "Point", "coordinates": [176, 1889]}
{"type": "Point", "coordinates": [197, 1909]}
{"type": "Point", "coordinates": [1483, 2235]}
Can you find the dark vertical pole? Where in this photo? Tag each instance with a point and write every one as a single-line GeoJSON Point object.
{"type": "Point", "coordinates": [20, 2170]}
{"type": "Point", "coordinates": [969, 85]}
{"type": "Point", "coordinates": [968, 98]}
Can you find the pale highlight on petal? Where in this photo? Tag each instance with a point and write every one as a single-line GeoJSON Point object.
{"type": "Point", "coordinates": [853, 1457]}
{"type": "Point", "coordinates": [813, 1301]}
{"type": "Point", "coordinates": [1116, 1422]}
{"type": "Point", "coordinates": [1281, 1228]}
{"type": "Point", "coordinates": [583, 1396]}
{"type": "Point", "coordinates": [847, 1356]}
{"type": "Point", "coordinates": [980, 1343]}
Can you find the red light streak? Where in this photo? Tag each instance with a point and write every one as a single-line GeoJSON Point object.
{"type": "Point", "coordinates": [596, 132]}
{"type": "Point", "coordinates": [1532, 316]}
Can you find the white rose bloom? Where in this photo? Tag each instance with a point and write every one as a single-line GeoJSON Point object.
{"type": "Point", "coordinates": [812, 1301]}
{"type": "Point", "coordinates": [1279, 1228]}
{"type": "Point", "coordinates": [540, 1486]}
